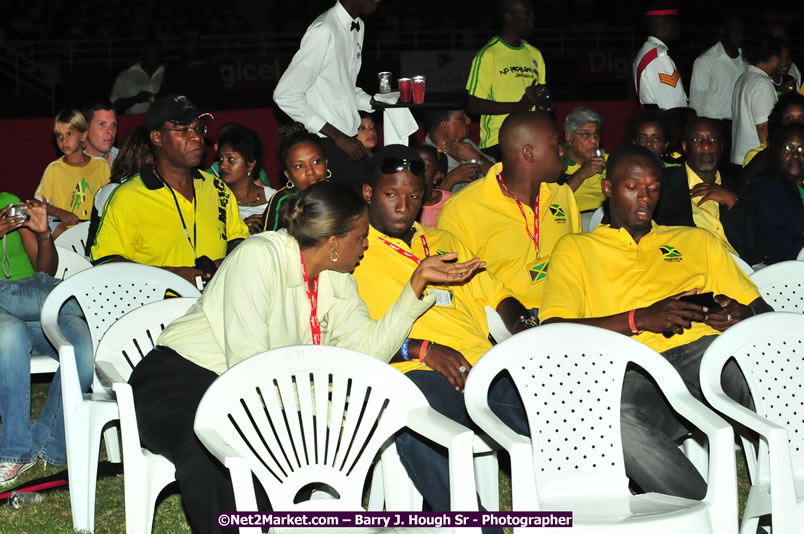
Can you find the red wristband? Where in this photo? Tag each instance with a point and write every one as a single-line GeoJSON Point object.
{"type": "Point", "coordinates": [631, 323]}
{"type": "Point", "coordinates": [423, 350]}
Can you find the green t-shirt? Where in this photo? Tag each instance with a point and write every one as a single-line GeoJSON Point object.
{"type": "Point", "coordinates": [16, 264]}
{"type": "Point", "coordinates": [801, 192]}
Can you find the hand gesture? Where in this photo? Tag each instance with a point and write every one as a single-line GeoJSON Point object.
{"type": "Point", "coordinates": [450, 363]}
{"type": "Point", "coordinates": [189, 273]}
{"type": "Point", "coordinates": [37, 210]}
{"type": "Point", "coordinates": [461, 174]}
{"type": "Point", "coordinates": [670, 314]}
{"type": "Point", "coordinates": [715, 192]}
{"type": "Point", "coordinates": [69, 219]}
{"type": "Point", "coordinates": [438, 270]}
{"type": "Point", "coordinates": [733, 312]}
{"type": "Point", "coordinates": [591, 167]}
{"type": "Point", "coordinates": [461, 150]}
{"type": "Point", "coordinates": [351, 146]}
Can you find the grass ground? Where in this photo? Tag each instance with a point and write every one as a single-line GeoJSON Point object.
{"type": "Point", "coordinates": [52, 516]}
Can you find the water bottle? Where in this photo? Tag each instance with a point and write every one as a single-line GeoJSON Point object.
{"type": "Point", "coordinates": [23, 499]}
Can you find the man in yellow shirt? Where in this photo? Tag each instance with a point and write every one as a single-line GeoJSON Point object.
{"type": "Point", "coordinates": [631, 277]}
{"type": "Point", "coordinates": [513, 217]}
{"type": "Point", "coordinates": [172, 215]}
{"type": "Point", "coordinates": [448, 338]}
{"type": "Point", "coordinates": [586, 164]}
{"type": "Point", "coordinates": [507, 75]}
{"type": "Point", "coordinates": [694, 194]}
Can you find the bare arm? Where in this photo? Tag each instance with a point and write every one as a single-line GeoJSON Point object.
{"type": "Point", "coordinates": [762, 132]}
{"type": "Point", "coordinates": [350, 145]}
{"type": "Point", "coordinates": [512, 311]}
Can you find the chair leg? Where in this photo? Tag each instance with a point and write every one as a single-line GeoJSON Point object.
{"type": "Point", "coordinates": [376, 501]}
{"type": "Point", "coordinates": [696, 450]}
{"type": "Point", "coordinates": [487, 474]}
{"type": "Point", "coordinates": [112, 440]}
{"type": "Point", "coordinates": [758, 504]}
{"type": "Point", "coordinates": [82, 470]}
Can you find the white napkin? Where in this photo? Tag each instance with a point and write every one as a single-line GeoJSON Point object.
{"type": "Point", "coordinates": [387, 98]}
{"type": "Point", "coordinates": [398, 124]}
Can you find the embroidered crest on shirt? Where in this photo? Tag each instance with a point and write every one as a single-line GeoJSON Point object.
{"type": "Point", "coordinates": [671, 253]}
{"type": "Point", "coordinates": [558, 213]}
{"type": "Point", "coordinates": [670, 79]}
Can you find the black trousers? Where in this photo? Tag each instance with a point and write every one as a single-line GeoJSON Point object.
{"type": "Point", "coordinates": [167, 389]}
{"type": "Point", "coordinates": [345, 171]}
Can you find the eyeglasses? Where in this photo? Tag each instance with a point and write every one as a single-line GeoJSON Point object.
{"type": "Point", "coordinates": [394, 165]}
{"type": "Point", "coordinates": [789, 149]}
{"type": "Point", "coordinates": [185, 131]}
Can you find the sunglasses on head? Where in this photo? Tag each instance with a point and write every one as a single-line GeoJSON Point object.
{"type": "Point", "coordinates": [394, 165]}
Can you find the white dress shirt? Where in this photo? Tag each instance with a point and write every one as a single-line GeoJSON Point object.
{"type": "Point", "coordinates": [713, 77]}
{"type": "Point", "coordinates": [660, 83]}
{"type": "Point", "coordinates": [753, 100]}
{"type": "Point", "coordinates": [319, 85]}
{"type": "Point", "coordinates": [133, 81]}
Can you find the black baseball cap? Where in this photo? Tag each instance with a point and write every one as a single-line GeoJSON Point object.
{"type": "Point", "coordinates": [177, 109]}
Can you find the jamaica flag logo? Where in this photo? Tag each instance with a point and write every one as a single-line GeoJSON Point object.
{"type": "Point", "coordinates": [558, 213]}
{"type": "Point", "coordinates": [671, 253]}
{"type": "Point", "coordinates": [538, 272]}
{"type": "Point", "coordinates": [439, 251]}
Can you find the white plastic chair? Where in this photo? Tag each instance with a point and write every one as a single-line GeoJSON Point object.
{"type": "Point", "coordinates": [590, 220]}
{"type": "Point", "coordinates": [70, 262]}
{"type": "Point", "coordinates": [74, 238]}
{"type": "Point", "coordinates": [497, 327]}
{"type": "Point", "coordinates": [800, 255]}
{"type": "Point", "coordinates": [120, 350]}
{"type": "Point", "coordinates": [570, 378]}
{"type": "Point", "coordinates": [314, 414]}
{"type": "Point", "coordinates": [105, 293]}
{"type": "Point", "coordinates": [782, 285]}
{"type": "Point", "coordinates": [769, 349]}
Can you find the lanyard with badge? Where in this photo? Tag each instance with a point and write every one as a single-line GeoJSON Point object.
{"type": "Point", "coordinates": [194, 239]}
{"type": "Point", "coordinates": [443, 296]}
{"type": "Point", "coordinates": [312, 294]}
{"type": "Point", "coordinates": [534, 236]}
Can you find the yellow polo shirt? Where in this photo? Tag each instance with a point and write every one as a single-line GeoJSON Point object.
{"type": "Point", "coordinates": [501, 73]}
{"type": "Point", "coordinates": [141, 222]}
{"type": "Point", "coordinates": [605, 272]}
{"type": "Point", "coordinates": [589, 195]}
{"type": "Point", "coordinates": [383, 272]}
{"type": "Point", "coordinates": [751, 154]}
{"type": "Point", "coordinates": [707, 215]}
{"type": "Point", "coordinates": [492, 226]}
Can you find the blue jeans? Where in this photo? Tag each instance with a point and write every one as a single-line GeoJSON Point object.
{"type": "Point", "coordinates": [650, 428]}
{"type": "Point", "coordinates": [20, 336]}
{"type": "Point", "coordinates": [425, 461]}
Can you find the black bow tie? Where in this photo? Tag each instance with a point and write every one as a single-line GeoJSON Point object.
{"type": "Point", "coordinates": [355, 27]}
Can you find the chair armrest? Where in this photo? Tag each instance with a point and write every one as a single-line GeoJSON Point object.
{"type": "Point", "coordinates": [108, 373]}
{"type": "Point", "coordinates": [458, 440]}
{"type": "Point", "coordinates": [242, 480]}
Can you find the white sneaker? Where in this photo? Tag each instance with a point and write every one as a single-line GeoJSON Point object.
{"type": "Point", "coordinates": [9, 471]}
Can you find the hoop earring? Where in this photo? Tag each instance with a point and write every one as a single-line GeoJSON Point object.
{"type": "Point", "coordinates": [328, 174]}
{"type": "Point", "coordinates": [334, 256]}
{"type": "Point", "coordinates": [289, 185]}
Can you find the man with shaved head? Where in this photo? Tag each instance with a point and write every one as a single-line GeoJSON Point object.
{"type": "Point", "coordinates": [513, 217]}
{"type": "Point", "coordinates": [694, 194]}
{"type": "Point", "coordinates": [632, 277]}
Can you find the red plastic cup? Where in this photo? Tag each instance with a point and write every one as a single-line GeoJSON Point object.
{"type": "Point", "coordinates": [418, 89]}
{"type": "Point", "coordinates": [404, 89]}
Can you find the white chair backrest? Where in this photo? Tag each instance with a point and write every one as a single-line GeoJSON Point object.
{"type": "Point", "coordinates": [75, 238]}
{"type": "Point", "coordinates": [782, 285]}
{"type": "Point", "coordinates": [307, 414]}
{"type": "Point", "coordinates": [747, 269]}
{"type": "Point", "coordinates": [769, 349]}
{"type": "Point", "coordinates": [570, 379]}
{"type": "Point", "coordinates": [597, 218]}
{"type": "Point", "coordinates": [70, 263]}
{"type": "Point", "coordinates": [107, 292]}
{"type": "Point", "coordinates": [132, 336]}
{"type": "Point", "coordinates": [497, 327]}
{"type": "Point", "coordinates": [800, 254]}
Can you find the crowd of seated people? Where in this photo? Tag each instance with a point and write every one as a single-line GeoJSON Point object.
{"type": "Point", "coordinates": [406, 263]}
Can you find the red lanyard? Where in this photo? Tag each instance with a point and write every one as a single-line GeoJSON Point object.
{"type": "Point", "coordinates": [315, 326]}
{"type": "Point", "coordinates": [407, 254]}
{"type": "Point", "coordinates": [535, 234]}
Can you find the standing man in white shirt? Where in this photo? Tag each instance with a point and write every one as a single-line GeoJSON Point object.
{"type": "Point", "coordinates": [136, 87]}
{"type": "Point", "coordinates": [657, 80]}
{"type": "Point", "coordinates": [754, 98]}
{"type": "Point", "coordinates": [716, 71]}
{"type": "Point", "coordinates": [319, 87]}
